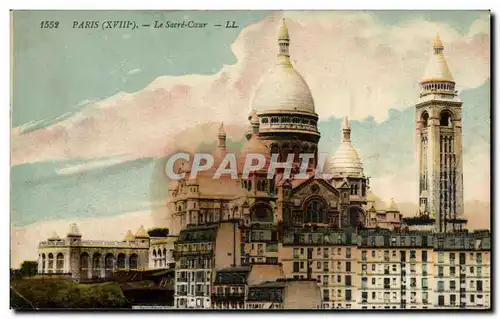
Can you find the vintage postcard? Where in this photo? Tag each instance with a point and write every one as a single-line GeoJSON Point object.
{"type": "Point", "coordinates": [251, 160]}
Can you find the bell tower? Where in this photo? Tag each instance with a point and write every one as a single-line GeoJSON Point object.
{"type": "Point", "coordinates": [439, 145]}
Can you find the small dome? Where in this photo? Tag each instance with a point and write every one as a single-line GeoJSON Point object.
{"type": "Point", "coordinates": [437, 69]}
{"type": "Point", "coordinates": [141, 233]}
{"type": "Point", "coordinates": [346, 160]}
{"type": "Point", "coordinates": [392, 206]}
{"type": "Point", "coordinates": [129, 236]}
{"type": "Point", "coordinates": [253, 146]}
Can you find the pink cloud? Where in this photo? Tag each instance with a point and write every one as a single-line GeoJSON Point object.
{"type": "Point", "coordinates": [353, 64]}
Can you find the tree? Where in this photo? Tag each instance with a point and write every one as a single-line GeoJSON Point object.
{"type": "Point", "coordinates": [158, 232]}
{"type": "Point", "coordinates": [51, 293]}
{"type": "Point", "coordinates": [28, 268]}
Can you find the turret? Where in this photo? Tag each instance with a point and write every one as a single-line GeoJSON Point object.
{"type": "Point", "coordinates": [221, 140]}
{"type": "Point", "coordinates": [74, 236]}
{"type": "Point", "coordinates": [129, 237]}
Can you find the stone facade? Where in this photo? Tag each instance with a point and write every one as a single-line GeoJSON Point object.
{"type": "Point", "coordinates": [92, 259]}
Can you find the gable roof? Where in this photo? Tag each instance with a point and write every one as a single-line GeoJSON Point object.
{"type": "Point", "coordinates": [311, 180]}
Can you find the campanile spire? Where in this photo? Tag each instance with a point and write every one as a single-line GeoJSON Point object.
{"type": "Point", "coordinates": [439, 144]}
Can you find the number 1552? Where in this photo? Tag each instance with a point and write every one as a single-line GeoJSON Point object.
{"type": "Point", "coordinates": [49, 24]}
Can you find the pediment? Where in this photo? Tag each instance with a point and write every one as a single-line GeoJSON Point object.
{"type": "Point", "coordinates": [318, 187]}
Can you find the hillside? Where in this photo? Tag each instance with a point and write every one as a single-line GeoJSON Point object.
{"type": "Point", "coordinates": [51, 293]}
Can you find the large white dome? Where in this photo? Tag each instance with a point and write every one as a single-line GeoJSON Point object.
{"type": "Point", "coordinates": [282, 88]}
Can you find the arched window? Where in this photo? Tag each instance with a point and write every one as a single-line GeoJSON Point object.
{"type": "Point", "coordinates": [316, 210]}
{"type": "Point", "coordinates": [134, 261]}
{"type": "Point", "coordinates": [445, 119]}
{"type": "Point", "coordinates": [264, 120]}
{"type": "Point", "coordinates": [356, 216]}
{"type": "Point", "coordinates": [96, 265]}
{"type": "Point", "coordinates": [275, 149]}
{"type": "Point", "coordinates": [60, 263]}
{"type": "Point", "coordinates": [84, 265]}
{"type": "Point", "coordinates": [425, 119]}
{"type": "Point", "coordinates": [262, 185]}
{"type": "Point", "coordinates": [272, 188]}
{"type": "Point", "coordinates": [43, 263]}
{"type": "Point", "coordinates": [261, 213]}
{"type": "Point", "coordinates": [121, 261]}
{"type": "Point", "coordinates": [109, 265]}
{"type": "Point", "coordinates": [50, 267]}
{"type": "Point", "coordinates": [287, 215]}
{"type": "Point", "coordinates": [259, 185]}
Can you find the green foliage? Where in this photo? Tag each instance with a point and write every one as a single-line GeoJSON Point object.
{"type": "Point", "coordinates": [158, 232]}
{"type": "Point", "coordinates": [28, 269]}
{"type": "Point", "coordinates": [43, 292]}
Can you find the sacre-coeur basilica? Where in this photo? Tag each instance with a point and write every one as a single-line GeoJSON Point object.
{"type": "Point", "coordinates": [308, 243]}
